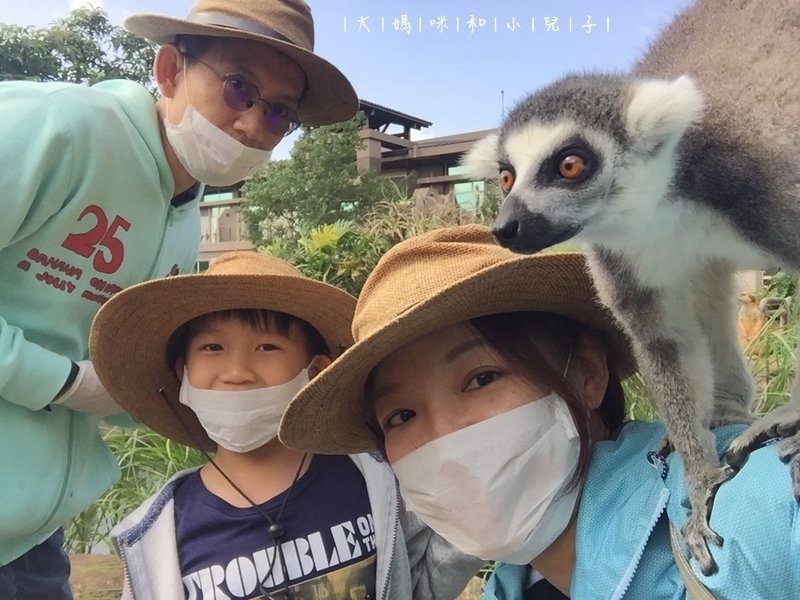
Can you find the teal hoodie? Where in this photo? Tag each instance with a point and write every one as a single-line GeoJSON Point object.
{"type": "Point", "coordinates": [86, 212]}
{"type": "Point", "coordinates": [631, 495]}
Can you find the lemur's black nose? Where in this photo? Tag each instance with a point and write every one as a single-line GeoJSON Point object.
{"type": "Point", "coordinates": [507, 231]}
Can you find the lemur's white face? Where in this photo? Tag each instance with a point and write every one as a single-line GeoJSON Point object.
{"type": "Point", "coordinates": [556, 180]}
{"type": "Point", "coordinates": [562, 181]}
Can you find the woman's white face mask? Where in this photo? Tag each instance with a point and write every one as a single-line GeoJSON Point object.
{"type": "Point", "coordinates": [497, 489]}
{"type": "Point", "coordinates": [244, 420]}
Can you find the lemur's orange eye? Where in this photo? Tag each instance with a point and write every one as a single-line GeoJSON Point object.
{"type": "Point", "coordinates": [506, 180]}
{"type": "Point", "coordinates": [571, 167]}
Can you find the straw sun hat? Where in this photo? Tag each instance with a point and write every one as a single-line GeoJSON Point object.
{"type": "Point", "coordinates": [424, 284]}
{"type": "Point", "coordinates": [129, 335]}
{"type": "Point", "coordinates": [285, 25]}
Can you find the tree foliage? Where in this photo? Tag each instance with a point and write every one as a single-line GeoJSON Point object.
{"type": "Point", "coordinates": [320, 213]}
{"type": "Point", "coordinates": [339, 253]}
{"type": "Point", "coordinates": [780, 285]}
{"type": "Point", "coordinates": [83, 47]}
{"type": "Point", "coordinates": [319, 184]}
{"type": "Point", "coordinates": [343, 253]}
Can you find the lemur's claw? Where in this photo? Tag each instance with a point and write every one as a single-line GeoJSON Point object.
{"type": "Point", "coordinates": [697, 534]}
{"type": "Point", "coordinates": [696, 530]}
{"type": "Point", "coordinates": [789, 452]}
{"type": "Point", "coordinates": [783, 422]}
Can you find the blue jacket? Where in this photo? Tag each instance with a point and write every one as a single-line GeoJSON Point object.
{"type": "Point", "coordinates": [85, 212]}
{"type": "Point", "coordinates": [622, 536]}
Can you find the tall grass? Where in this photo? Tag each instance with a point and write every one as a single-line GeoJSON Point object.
{"type": "Point", "coordinates": [638, 400]}
{"type": "Point", "coordinates": [770, 356]}
{"type": "Point", "coordinates": [147, 460]}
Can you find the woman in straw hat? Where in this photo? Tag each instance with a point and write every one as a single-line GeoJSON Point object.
{"type": "Point", "coordinates": [491, 382]}
{"type": "Point", "coordinates": [213, 367]}
{"type": "Point", "coordinates": [100, 191]}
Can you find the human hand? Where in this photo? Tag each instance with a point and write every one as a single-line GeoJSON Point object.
{"type": "Point", "coordinates": [87, 394]}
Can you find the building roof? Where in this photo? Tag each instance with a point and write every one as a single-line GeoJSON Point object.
{"type": "Point", "coordinates": [381, 116]}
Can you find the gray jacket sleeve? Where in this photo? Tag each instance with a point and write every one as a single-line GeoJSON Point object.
{"type": "Point", "coordinates": [413, 562]}
{"type": "Point", "coordinates": [438, 570]}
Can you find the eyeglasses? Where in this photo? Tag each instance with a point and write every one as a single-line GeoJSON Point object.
{"type": "Point", "coordinates": [241, 94]}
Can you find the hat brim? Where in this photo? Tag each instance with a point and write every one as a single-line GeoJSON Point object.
{"type": "Point", "coordinates": [129, 336]}
{"type": "Point", "coordinates": [330, 415]}
{"type": "Point", "coordinates": [329, 97]}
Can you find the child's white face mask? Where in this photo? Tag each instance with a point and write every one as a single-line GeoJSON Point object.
{"type": "Point", "coordinates": [243, 420]}
{"type": "Point", "coordinates": [495, 489]}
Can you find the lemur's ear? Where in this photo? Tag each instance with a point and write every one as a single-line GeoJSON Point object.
{"type": "Point", "coordinates": [481, 160]}
{"type": "Point", "coordinates": [659, 111]}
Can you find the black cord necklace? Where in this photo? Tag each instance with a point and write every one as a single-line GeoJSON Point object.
{"type": "Point", "coordinates": [275, 529]}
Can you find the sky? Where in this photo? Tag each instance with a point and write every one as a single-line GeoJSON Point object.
{"type": "Point", "coordinates": [456, 63]}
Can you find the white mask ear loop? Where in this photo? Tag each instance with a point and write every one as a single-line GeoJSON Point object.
{"type": "Point", "coordinates": [566, 367]}
{"type": "Point", "coordinates": [185, 89]}
{"type": "Point", "coordinates": [185, 81]}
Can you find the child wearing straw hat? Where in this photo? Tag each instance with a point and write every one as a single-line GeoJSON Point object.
{"type": "Point", "coordinates": [101, 188]}
{"type": "Point", "coordinates": [211, 361]}
{"type": "Point", "coordinates": [491, 382]}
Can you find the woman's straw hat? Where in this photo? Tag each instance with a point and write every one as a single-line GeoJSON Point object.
{"type": "Point", "coordinates": [285, 25]}
{"type": "Point", "coordinates": [129, 335]}
{"type": "Point", "coordinates": [422, 285]}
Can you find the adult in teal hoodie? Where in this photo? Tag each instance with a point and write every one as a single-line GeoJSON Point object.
{"type": "Point", "coordinates": [100, 193]}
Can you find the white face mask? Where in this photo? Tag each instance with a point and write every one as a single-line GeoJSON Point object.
{"type": "Point", "coordinates": [495, 489]}
{"type": "Point", "coordinates": [209, 154]}
{"type": "Point", "coordinates": [243, 420]}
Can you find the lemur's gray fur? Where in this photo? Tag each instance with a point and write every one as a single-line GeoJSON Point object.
{"type": "Point", "coordinates": [690, 172]}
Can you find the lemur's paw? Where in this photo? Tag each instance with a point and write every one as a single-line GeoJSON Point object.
{"type": "Point", "coordinates": [696, 530]}
{"type": "Point", "coordinates": [783, 422]}
{"type": "Point", "coordinates": [666, 448]}
{"type": "Point", "coordinates": [789, 452]}
{"type": "Point", "coordinates": [697, 534]}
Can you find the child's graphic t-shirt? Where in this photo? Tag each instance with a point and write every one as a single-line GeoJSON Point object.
{"type": "Point", "coordinates": [327, 550]}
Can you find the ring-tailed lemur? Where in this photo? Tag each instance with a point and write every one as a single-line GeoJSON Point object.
{"type": "Point", "coordinates": [671, 189]}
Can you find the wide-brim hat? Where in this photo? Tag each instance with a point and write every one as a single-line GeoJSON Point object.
{"type": "Point", "coordinates": [129, 335]}
{"type": "Point", "coordinates": [425, 284]}
{"type": "Point", "coordinates": [285, 25]}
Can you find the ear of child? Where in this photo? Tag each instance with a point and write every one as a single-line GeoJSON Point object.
{"type": "Point", "coordinates": [318, 364]}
